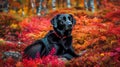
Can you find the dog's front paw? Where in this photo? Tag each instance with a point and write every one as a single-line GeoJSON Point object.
{"type": "Point", "coordinates": [63, 59]}
{"type": "Point", "coordinates": [82, 52]}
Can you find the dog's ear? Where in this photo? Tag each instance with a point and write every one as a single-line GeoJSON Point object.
{"type": "Point", "coordinates": [54, 20]}
{"type": "Point", "coordinates": [73, 19]}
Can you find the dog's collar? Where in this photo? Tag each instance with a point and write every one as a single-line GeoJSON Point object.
{"type": "Point", "coordinates": [61, 37]}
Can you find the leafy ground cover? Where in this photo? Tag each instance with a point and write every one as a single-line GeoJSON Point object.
{"type": "Point", "coordinates": [98, 34]}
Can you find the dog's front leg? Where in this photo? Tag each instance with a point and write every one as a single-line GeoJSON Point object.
{"type": "Point", "coordinates": [71, 51]}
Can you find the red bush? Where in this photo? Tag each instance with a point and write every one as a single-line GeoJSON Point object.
{"type": "Point", "coordinates": [33, 28]}
{"type": "Point", "coordinates": [47, 61]}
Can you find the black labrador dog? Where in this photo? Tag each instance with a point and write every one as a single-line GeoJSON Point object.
{"type": "Point", "coordinates": [60, 38]}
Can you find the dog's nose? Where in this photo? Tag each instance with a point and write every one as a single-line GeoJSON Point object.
{"type": "Point", "coordinates": [70, 26]}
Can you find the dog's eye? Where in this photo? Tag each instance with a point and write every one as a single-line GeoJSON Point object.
{"type": "Point", "coordinates": [69, 18]}
{"type": "Point", "coordinates": [64, 18]}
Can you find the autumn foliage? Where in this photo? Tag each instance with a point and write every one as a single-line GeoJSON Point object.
{"type": "Point", "coordinates": [33, 28]}
{"type": "Point", "coordinates": [98, 34]}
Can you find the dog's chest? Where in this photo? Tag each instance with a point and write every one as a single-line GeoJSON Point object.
{"type": "Point", "coordinates": [60, 44]}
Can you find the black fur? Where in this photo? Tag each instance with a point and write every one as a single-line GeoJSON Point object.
{"type": "Point", "coordinates": [60, 38]}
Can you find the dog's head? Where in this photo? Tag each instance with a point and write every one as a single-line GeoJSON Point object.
{"type": "Point", "coordinates": [63, 24]}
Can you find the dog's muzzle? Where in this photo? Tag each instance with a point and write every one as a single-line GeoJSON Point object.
{"type": "Point", "coordinates": [68, 25]}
